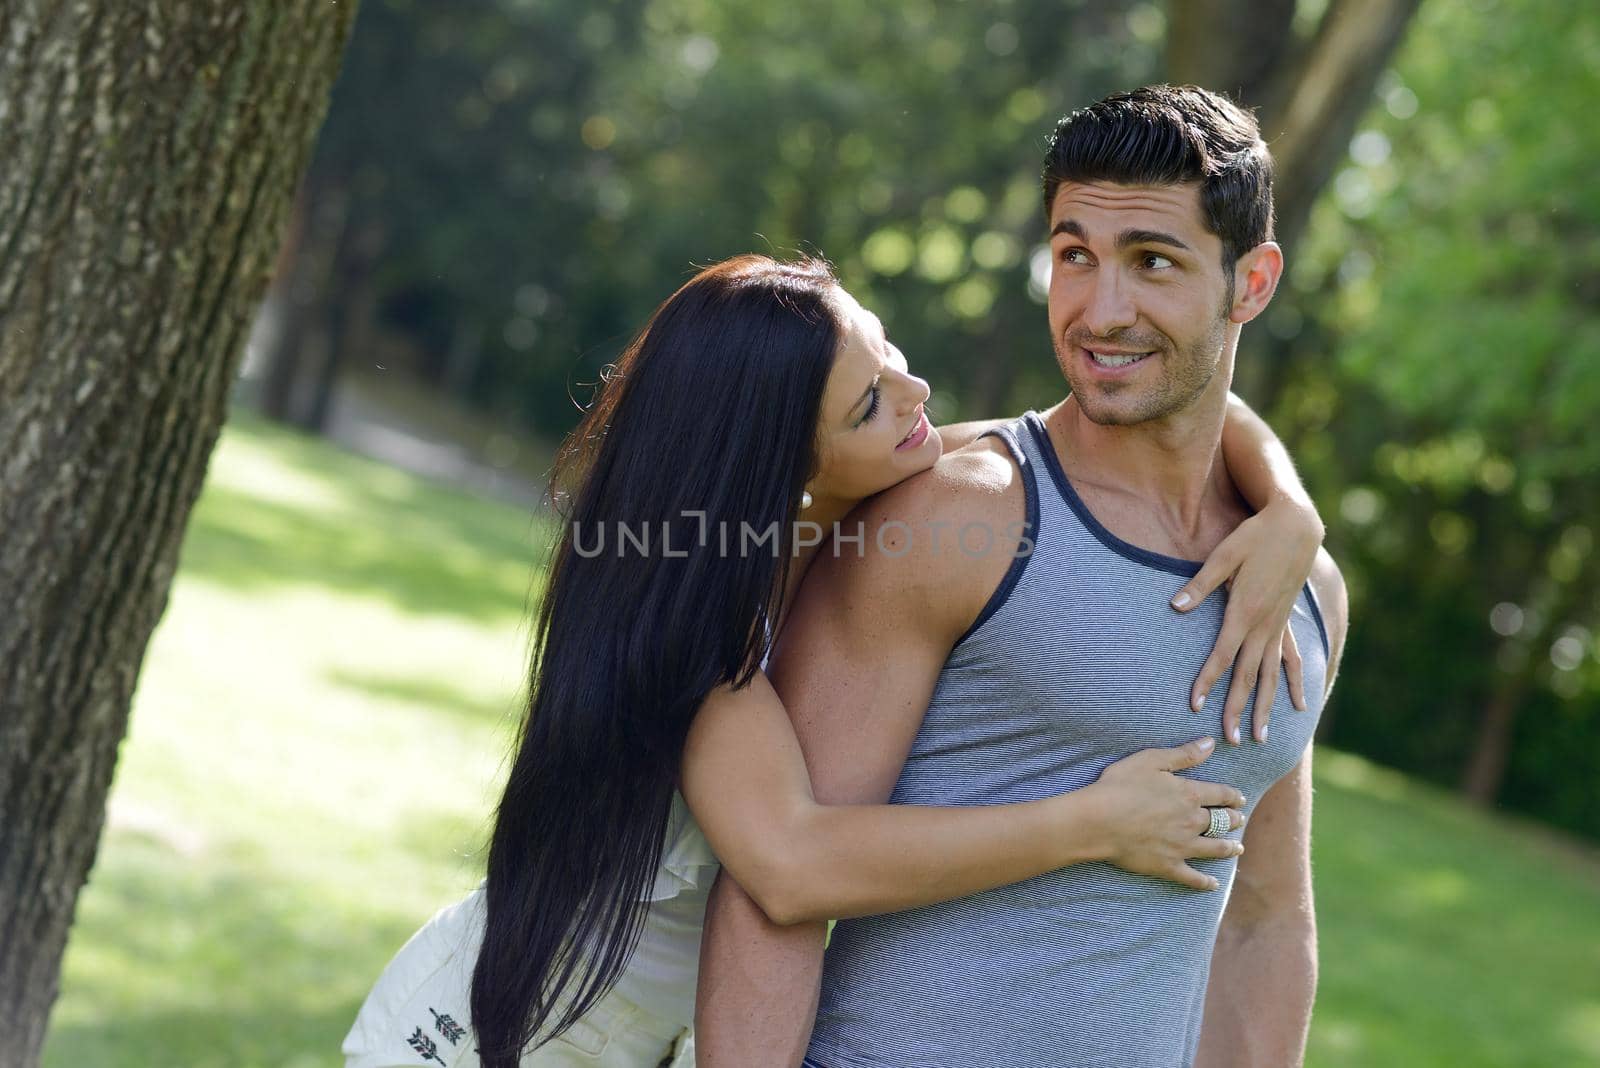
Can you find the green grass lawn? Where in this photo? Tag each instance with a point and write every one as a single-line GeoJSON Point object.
{"type": "Point", "coordinates": [323, 714]}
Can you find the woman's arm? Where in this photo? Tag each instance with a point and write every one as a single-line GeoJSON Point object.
{"type": "Point", "coordinates": [1260, 465]}
{"type": "Point", "coordinates": [745, 780]}
{"type": "Point", "coordinates": [1265, 563]}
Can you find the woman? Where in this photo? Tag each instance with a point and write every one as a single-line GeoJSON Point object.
{"type": "Point", "coordinates": [737, 412]}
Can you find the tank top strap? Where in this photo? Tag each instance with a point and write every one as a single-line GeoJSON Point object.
{"type": "Point", "coordinates": [1014, 435]}
{"type": "Point", "coordinates": [1029, 443]}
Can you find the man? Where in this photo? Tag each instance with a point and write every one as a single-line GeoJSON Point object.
{"type": "Point", "coordinates": [943, 675]}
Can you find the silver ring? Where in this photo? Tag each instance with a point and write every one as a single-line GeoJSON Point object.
{"type": "Point", "coordinates": [1221, 824]}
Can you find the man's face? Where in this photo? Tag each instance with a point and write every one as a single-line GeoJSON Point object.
{"type": "Point", "coordinates": [1139, 301]}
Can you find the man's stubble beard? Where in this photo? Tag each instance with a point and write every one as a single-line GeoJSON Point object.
{"type": "Point", "coordinates": [1186, 374]}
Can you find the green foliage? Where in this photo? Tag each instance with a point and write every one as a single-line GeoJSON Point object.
{"type": "Point", "coordinates": [553, 169]}
{"type": "Point", "coordinates": [313, 754]}
{"type": "Point", "coordinates": [457, 132]}
{"type": "Point", "coordinates": [1453, 269]}
{"type": "Point", "coordinates": [545, 171]}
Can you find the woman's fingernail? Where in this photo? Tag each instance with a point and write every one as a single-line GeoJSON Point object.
{"type": "Point", "coordinates": [1263, 733]}
{"type": "Point", "coordinates": [1181, 601]}
{"type": "Point", "coordinates": [1233, 735]}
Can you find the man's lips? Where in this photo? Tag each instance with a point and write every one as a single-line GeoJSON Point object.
{"type": "Point", "coordinates": [1103, 358]}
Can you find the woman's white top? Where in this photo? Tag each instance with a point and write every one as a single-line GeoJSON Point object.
{"type": "Point", "coordinates": [661, 975]}
{"type": "Point", "coordinates": [430, 979]}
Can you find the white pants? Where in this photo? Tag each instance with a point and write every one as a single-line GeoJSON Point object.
{"type": "Point", "coordinates": [418, 1013]}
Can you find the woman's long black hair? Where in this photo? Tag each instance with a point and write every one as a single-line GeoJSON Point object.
{"type": "Point", "coordinates": [712, 411]}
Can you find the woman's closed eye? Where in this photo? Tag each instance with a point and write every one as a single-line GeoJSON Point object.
{"type": "Point", "coordinates": [872, 407]}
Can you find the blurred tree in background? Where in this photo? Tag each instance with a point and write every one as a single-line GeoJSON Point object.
{"type": "Point", "coordinates": [1442, 333]}
{"type": "Point", "coordinates": [504, 190]}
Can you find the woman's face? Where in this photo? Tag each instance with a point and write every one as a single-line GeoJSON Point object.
{"type": "Point", "coordinates": [872, 432]}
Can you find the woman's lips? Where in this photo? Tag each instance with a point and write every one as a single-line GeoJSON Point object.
{"type": "Point", "coordinates": [919, 433]}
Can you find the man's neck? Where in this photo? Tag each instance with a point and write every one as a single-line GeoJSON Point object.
{"type": "Point", "coordinates": [1173, 464]}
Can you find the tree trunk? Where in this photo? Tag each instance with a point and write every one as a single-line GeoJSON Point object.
{"type": "Point", "coordinates": [463, 358]}
{"type": "Point", "coordinates": [304, 340]}
{"type": "Point", "coordinates": [993, 377]}
{"type": "Point", "coordinates": [1310, 95]}
{"type": "Point", "coordinates": [1554, 602]}
{"type": "Point", "coordinates": [278, 372]}
{"type": "Point", "coordinates": [1486, 769]}
{"type": "Point", "coordinates": [1229, 46]}
{"type": "Point", "coordinates": [355, 320]}
{"type": "Point", "coordinates": [151, 154]}
{"type": "Point", "coordinates": [1324, 97]}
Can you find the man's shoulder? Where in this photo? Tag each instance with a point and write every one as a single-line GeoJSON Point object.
{"type": "Point", "coordinates": [963, 484]}
{"type": "Point", "coordinates": [915, 543]}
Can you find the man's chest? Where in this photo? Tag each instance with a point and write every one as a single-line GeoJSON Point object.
{"type": "Point", "coordinates": [1052, 693]}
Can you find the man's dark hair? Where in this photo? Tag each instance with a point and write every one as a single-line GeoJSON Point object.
{"type": "Point", "coordinates": [1170, 135]}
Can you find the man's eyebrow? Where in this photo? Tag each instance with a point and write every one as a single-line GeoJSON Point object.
{"type": "Point", "coordinates": [1149, 237]}
{"type": "Point", "coordinates": [1124, 239]}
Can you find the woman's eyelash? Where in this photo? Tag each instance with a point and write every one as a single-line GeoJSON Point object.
{"type": "Point", "coordinates": [872, 408]}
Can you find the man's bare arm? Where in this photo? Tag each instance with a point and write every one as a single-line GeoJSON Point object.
{"type": "Point", "coordinates": [1264, 971]}
{"type": "Point", "coordinates": [757, 996]}
{"type": "Point", "coordinates": [855, 669]}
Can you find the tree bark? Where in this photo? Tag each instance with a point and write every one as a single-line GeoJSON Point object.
{"type": "Point", "coordinates": [1486, 768]}
{"type": "Point", "coordinates": [1228, 46]}
{"type": "Point", "coordinates": [1554, 603]}
{"type": "Point", "coordinates": [152, 151]}
{"type": "Point", "coordinates": [304, 339]}
{"type": "Point", "coordinates": [1324, 96]}
{"type": "Point", "coordinates": [355, 320]}
{"type": "Point", "coordinates": [1309, 96]}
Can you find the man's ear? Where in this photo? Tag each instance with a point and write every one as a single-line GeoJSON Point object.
{"type": "Point", "coordinates": [1255, 279]}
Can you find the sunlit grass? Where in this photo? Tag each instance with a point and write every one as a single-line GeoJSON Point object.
{"type": "Point", "coordinates": [1448, 937]}
{"type": "Point", "coordinates": [310, 762]}
{"type": "Point", "coordinates": [324, 711]}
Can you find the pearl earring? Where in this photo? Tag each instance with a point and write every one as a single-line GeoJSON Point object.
{"type": "Point", "coordinates": [805, 500]}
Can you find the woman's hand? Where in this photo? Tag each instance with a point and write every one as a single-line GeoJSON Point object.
{"type": "Point", "coordinates": [1154, 819]}
{"type": "Point", "coordinates": [1265, 562]}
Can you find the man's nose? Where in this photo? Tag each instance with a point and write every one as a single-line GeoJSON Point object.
{"type": "Point", "coordinates": [1110, 305]}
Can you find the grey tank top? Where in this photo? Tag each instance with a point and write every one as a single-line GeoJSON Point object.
{"type": "Point", "coordinates": [1075, 662]}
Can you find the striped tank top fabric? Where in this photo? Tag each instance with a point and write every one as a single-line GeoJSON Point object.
{"type": "Point", "coordinates": [1076, 661]}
